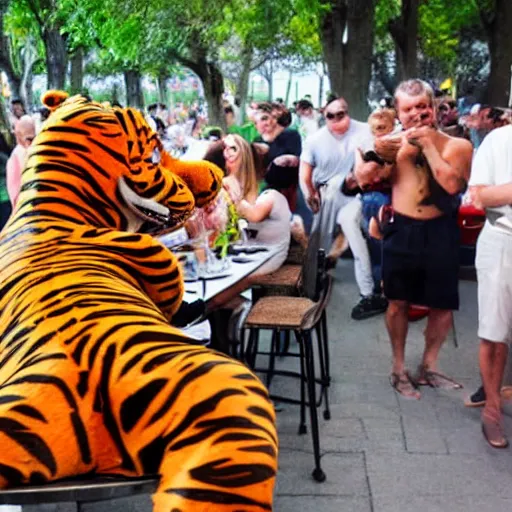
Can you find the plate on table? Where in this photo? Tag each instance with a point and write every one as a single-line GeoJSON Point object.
{"type": "Point", "coordinates": [247, 249]}
{"type": "Point", "coordinates": [214, 275]}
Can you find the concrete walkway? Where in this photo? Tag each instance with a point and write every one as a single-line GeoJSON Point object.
{"type": "Point", "coordinates": [386, 454]}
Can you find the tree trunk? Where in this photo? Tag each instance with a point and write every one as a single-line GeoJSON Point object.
{"type": "Point", "coordinates": [162, 88]}
{"type": "Point", "coordinates": [14, 82]}
{"type": "Point", "coordinates": [213, 84]}
{"type": "Point", "coordinates": [6, 64]}
{"type": "Point", "coordinates": [77, 71]}
{"type": "Point", "coordinates": [500, 50]}
{"type": "Point", "coordinates": [242, 88]}
{"type": "Point", "coordinates": [5, 127]}
{"type": "Point", "coordinates": [270, 79]}
{"type": "Point", "coordinates": [288, 87]}
{"type": "Point", "coordinates": [115, 93]}
{"type": "Point", "coordinates": [349, 65]}
{"type": "Point", "coordinates": [29, 60]}
{"type": "Point", "coordinates": [321, 80]}
{"type": "Point", "coordinates": [134, 97]}
{"type": "Point", "coordinates": [56, 58]}
{"type": "Point", "coordinates": [404, 31]}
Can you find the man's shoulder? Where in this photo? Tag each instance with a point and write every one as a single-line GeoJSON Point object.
{"type": "Point", "coordinates": [453, 142]}
{"type": "Point", "coordinates": [319, 136]}
{"type": "Point", "coordinates": [359, 126]}
{"type": "Point", "coordinates": [290, 134]}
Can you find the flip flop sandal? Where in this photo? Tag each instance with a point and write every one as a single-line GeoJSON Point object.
{"type": "Point", "coordinates": [404, 385]}
{"type": "Point", "coordinates": [506, 393]}
{"type": "Point", "coordinates": [493, 434]}
{"type": "Point", "coordinates": [438, 380]}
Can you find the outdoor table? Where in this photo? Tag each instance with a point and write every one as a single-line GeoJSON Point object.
{"type": "Point", "coordinates": [208, 288]}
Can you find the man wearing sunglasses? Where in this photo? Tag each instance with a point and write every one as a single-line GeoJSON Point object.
{"type": "Point", "coordinates": [327, 158]}
{"type": "Point", "coordinates": [25, 132]}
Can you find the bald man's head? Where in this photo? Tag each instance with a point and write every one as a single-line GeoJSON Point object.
{"type": "Point", "coordinates": [25, 131]}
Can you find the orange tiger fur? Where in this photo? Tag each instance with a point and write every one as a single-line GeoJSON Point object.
{"type": "Point", "coordinates": [93, 378]}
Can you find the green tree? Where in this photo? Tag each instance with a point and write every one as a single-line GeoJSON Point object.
{"type": "Point", "coordinates": [347, 35]}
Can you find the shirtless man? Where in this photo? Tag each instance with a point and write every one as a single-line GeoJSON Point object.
{"type": "Point", "coordinates": [420, 248]}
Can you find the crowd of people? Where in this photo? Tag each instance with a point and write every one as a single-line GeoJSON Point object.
{"type": "Point", "coordinates": [389, 188]}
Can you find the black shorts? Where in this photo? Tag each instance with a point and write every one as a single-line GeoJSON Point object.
{"type": "Point", "coordinates": [420, 261]}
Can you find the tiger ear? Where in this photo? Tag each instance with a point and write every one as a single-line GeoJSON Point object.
{"type": "Point", "coordinates": [53, 99]}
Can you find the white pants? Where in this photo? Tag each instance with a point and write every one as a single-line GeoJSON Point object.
{"type": "Point", "coordinates": [349, 218]}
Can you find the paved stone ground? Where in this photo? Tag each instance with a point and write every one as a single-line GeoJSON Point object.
{"type": "Point", "coordinates": [381, 453]}
{"type": "Point", "coordinates": [385, 454]}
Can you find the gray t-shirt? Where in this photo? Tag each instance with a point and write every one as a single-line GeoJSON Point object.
{"type": "Point", "coordinates": [328, 153]}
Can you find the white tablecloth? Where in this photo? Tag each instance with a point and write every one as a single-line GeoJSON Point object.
{"type": "Point", "coordinates": [235, 273]}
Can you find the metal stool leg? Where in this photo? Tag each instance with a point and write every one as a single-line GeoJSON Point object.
{"type": "Point", "coordinates": [272, 357]}
{"type": "Point", "coordinates": [302, 425]}
{"type": "Point", "coordinates": [318, 473]}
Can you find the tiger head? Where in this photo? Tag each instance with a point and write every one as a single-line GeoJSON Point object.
{"type": "Point", "coordinates": [102, 166]}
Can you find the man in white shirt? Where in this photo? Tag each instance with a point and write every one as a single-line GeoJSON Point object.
{"type": "Point", "coordinates": [327, 158]}
{"type": "Point", "coordinates": [491, 188]}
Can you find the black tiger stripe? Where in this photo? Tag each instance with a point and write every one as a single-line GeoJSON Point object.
{"type": "Point", "coordinates": [137, 358]}
{"type": "Point", "coordinates": [67, 129]}
{"type": "Point", "coordinates": [118, 157]}
{"type": "Point", "coordinates": [11, 474]}
{"type": "Point", "coordinates": [134, 407]}
{"type": "Point", "coordinates": [31, 412]}
{"type": "Point", "coordinates": [79, 348]}
{"type": "Point", "coordinates": [263, 448]}
{"type": "Point", "coordinates": [217, 497]}
{"type": "Point", "coordinates": [66, 144]}
{"type": "Point", "coordinates": [6, 399]}
{"type": "Point", "coordinates": [222, 473]}
{"type": "Point", "coordinates": [143, 337]}
{"type": "Point", "coordinates": [30, 442]}
{"type": "Point", "coordinates": [151, 455]}
{"type": "Point", "coordinates": [238, 436]}
{"type": "Point", "coordinates": [78, 426]}
{"type": "Point", "coordinates": [108, 416]}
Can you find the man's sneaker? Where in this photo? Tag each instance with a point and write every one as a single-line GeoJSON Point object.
{"type": "Point", "coordinates": [369, 306]}
{"type": "Point", "coordinates": [477, 399]}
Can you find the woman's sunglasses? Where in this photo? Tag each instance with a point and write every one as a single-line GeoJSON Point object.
{"type": "Point", "coordinates": [230, 149]}
{"type": "Point", "coordinates": [336, 115]}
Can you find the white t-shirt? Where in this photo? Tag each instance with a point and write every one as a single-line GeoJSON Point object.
{"type": "Point", "coordinates": [327, 152]}
{"type": "Point", "coordinates": [492, 163]}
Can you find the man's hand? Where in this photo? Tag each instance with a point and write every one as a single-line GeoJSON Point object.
{"type": "Point", "coordinates": [475, 196]}
{"type": "Point", "coordinates": [286, 161]}
{"type": "Point", "coordinates": [313, 201]}
{"type": "Point", "coordinates": [421, 137]}
{"type": "Point", "coordinates": [387, 147]}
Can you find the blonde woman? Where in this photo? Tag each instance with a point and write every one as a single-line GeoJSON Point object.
{"type": "Point", "coordinates": [268, 213]}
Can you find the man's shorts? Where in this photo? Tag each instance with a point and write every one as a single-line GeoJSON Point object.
{"type": "Point", "coordinates": [421, 261]}
{"type": "Point", "coordinates": [494, 272]}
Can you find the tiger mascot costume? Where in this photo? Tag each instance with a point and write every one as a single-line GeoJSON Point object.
{"type": "Point", "coordinates": [93, 378]}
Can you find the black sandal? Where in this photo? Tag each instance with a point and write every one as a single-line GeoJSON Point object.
{"type": "Point", "coordinates": [404, 385]}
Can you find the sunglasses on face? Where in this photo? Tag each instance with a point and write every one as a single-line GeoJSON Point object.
{"type": "Point", "coordinates": [338, 116]}
{"type": "Point", "coordinates": [230, 149]}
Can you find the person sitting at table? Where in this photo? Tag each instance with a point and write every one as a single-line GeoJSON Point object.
{"type": "Point", "coordinates": [268, 213]}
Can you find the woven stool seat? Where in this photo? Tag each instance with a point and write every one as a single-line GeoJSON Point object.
{"type": "Point", "coordinates": [287, 275]}
{"type": "Point", "coordinates": [295, 255]}
{"type": "Point", "coordinates": [280, 312]}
